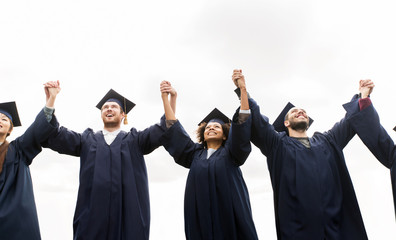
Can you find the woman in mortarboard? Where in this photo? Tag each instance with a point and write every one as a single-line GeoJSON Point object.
{"type": "Point", "coordinates": [18, 215]}
{"type": "Point", "coordinates": [216, 204]}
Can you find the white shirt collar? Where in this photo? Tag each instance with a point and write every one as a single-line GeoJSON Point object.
{"type": "Point", "coordinates": [116, 132]}
{"type": "Point", "coordinates": [210, 152]}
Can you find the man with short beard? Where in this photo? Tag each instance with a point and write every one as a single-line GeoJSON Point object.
{"type": "Point", "coordinates": [313, 193]}
{"type": "Point", "coordinates": [113, 196]}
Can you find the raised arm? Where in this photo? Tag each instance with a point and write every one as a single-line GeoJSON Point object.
{"type": "Point", "coordinates": [239, 136]}
{"type": "Point", "coordinates": [169, 106]}
{"type": "Point", "coordinates": [366, 123]}
{"type": "Point", "coordinates": [239, 80]}
{"type": "Point", "coordinates": [263, 134]}
{"type": "Point", "coordinates": [39, 131]}
{"type": "Point", "coordinates": [342, 132]}
{"type": "Point", "coordinates": [175, 140]}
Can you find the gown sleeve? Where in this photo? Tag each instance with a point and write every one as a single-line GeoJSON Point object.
{"type": "Point", "coordinates": [34, 137]}
{"type": "Point", "coordinates": [263, 134]}
{"type": "Point", "coordinates": [342, 132]}
{"type": "Point", "coordinates": [238, 141]}
{"type": "Point", "coordinates": [367, 125]}
{"type": "Point", "coordinates": [149, 139]}
{"type": "Point", "coordinates": [65, 141]}
{"type": "Point", "coordinates": [179, 145]}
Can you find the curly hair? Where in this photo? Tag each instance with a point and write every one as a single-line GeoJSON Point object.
{"type": "Point", "coordinates": [201, 132]}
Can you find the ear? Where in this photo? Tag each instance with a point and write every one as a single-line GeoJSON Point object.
{"type": "Point", "coordinates": [287, 123]}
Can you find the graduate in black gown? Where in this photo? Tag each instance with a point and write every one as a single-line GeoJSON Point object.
{"type": "Point", "coordinates": [313, 194]}
{"type": "Point", "coordinates": [113, 196]}
{"type": "Point", "coordinates": [367, 125]}
{"type": "Point", "coordinates": [216, 203]}
{"type": "Point", "coordinates": [18, 215]}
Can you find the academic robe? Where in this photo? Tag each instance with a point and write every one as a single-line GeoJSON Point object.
{"type": "Point", "coordinates": [18, 215]}
{"type": "Point", "coordinates": [313, 194]}
{"type": "Point", "coordinates": [367, 125]}
{"type": "Point", "coordinates": [113, 196]}
{"type": "Point", "coordinates": [216, 201]}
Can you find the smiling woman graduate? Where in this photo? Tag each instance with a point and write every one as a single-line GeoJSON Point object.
{"type": "Point", "coordinates": [216, 204]}
{"type": "Point", "coordinates": [18, 215]}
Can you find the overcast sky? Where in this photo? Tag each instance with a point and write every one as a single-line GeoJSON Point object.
{"type": "Point", "coordinates": [312, 53]}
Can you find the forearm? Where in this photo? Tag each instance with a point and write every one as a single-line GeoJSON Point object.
{"type": "Point", "coordinates": [173, 102]}
{"type": "Point", "coordinates": [244, 99]}
{"type": "Point", "coordinates": [169, 114]}
{"type": "Point", "coordinates": [50, 102]}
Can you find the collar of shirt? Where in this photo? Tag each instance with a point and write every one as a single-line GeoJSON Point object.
{"type": "Point", "coordinates": [110, 136]}
{"type": "Point", "coordinates": [114, 133]}
{"type": "Point", "coordinates": [210, 152]}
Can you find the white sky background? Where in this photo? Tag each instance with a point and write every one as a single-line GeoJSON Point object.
{"type": "Point", "coordinates": [311, 53]}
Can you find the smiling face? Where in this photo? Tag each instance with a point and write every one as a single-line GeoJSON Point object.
{"type": "Point", "coordinates": [5, 126]}
{"type": "Point", "coordinates": [214, 132]}
{"type": "Point", "coordinates": [297, 119]}
{"type": "Point", "coordinates": [112, 114]}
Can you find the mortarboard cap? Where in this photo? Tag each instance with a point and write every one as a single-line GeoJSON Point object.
{"type": "Point", "coordinates": [394, 129]}
{"type": "Point", "coordinates": [215, 116]}
{"type": "Point", "coordinates": [10, 110]}
{"type": "Point", "coordinates": [279, 123]}
{"type": "Point", "coordinates": [113, 96]}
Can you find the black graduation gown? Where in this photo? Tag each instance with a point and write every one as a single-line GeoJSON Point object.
{"type": "Point", "coordinates": [113, 197]}
{"type": "Point", "coordinates": [367, 125]}
{"type": "Point", "coordinates": [216, 203]}
{"type": "Point", "coordinates": [313, 193]}
{"type": "Point", "coordinates": [18, 215]}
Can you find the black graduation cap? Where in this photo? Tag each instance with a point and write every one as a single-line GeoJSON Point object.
{"type": "Point", "coordinates": [394, 129]}
{"type": "Point", "coordinates": [10, 110]}
{"type": "Point", "coordinates": [113, 96]}
{"type": "Point", "coordinates": [216, 116]}
{"type": "Point", "coordinates": [279, 123]}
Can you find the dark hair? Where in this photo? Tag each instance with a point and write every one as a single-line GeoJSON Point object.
{"type": "Point", "coordinates": [201, 132]}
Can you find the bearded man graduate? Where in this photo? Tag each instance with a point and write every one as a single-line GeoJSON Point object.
{"type": "Point", "coordinates": [313, 193]}
{"type": "Point", "coordinates": [366, 122]}
{"type": "Point", "coordinates": [113, 196]}
{"type": "Point", "coordinates": [18, 215]}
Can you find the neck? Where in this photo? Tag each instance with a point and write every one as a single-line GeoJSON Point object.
{"type": "Point", "coordinates": [3, 138]}
{"type": "Point", "coordinates": [297, 133]}
{"type": "Point", "coordinates": [111, 127]}
{"type": "Point", "coordinates": [214, 144]}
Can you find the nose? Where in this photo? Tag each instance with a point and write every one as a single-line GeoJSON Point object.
{"type": "Point", "coordinates": [300, 111]}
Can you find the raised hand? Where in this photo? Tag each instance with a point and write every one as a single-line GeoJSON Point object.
{"type": "Point", "coordinates": [166, 87]}
{"type": "Point", "coordinates": [238, 78]}
{"type": "Point", "coordinates": [366, 87]}
{"type": "Point", "coordinates": [51, 89]}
